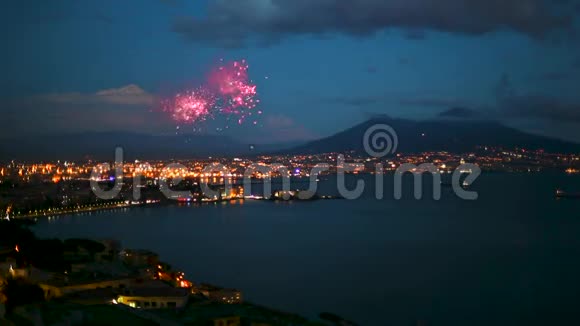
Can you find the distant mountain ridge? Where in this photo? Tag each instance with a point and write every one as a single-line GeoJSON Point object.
{"type": "Point", "coordinates": [101, 146]}
{"type": "Point", "coordinates": [450, 135]}
{"type": "Point", "coordinates": [438, 135]}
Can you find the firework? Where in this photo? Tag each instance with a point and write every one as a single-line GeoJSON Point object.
{"type": "Point", "coordinates": [236, 91]}
{"type": "Point", "coordinates": [191, 106]}
{"type": "Point", "coordinates": [228, 92]}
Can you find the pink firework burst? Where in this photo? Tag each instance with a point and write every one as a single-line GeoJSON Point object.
{"type": "Point", "coordinates": [231, 82]}
{"type": "Point", "coordinates": [191, 106]}
{"type": "Point", "coordinates": [228, 92]}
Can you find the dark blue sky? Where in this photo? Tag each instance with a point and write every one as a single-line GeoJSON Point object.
{"type": "Point", "coordinates": [320, 65]}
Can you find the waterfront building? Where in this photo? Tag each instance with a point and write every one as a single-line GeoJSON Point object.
{"type": "Point", "coordinates": [64, 285]}
{"type": "Point", "coordinates": [154, 297]}
{"type": "Point", "coordinates": [139, 257]}
{"type": "Point", "coordinates": [221, 295]}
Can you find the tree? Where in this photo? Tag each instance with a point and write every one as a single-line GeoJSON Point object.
{"type": "Point", "coordinates": [15, 232]}
{"type": "Point", "coordinates": [46, 254]}
{"type": "Point", "coordinates": [93, 247]}
{"type": "Point", "coordinates": [18, 292]}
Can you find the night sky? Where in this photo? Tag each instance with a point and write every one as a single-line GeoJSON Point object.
{"type": "Point", "coordinates": [320, 65]}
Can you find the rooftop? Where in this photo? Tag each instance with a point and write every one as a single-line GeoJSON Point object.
{"type": "Point", "coordinates": [83, 278]}
{"type": "Point", "coordinates": [156, 292]}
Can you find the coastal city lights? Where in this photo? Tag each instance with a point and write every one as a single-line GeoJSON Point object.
{"type": "Point", "coordinates": [67, 183]}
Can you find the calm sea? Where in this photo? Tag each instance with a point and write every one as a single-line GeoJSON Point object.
{"type": "Point", "coordinates": [512, 257]}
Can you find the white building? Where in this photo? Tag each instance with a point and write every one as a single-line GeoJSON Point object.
{"type": "Point", "coordinates": [155, 298]}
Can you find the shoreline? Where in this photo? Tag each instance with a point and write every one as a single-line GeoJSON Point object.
{"type": "Point", "coordinates": [100, 208]}
{"type": "Point", "coordinates": [53, 212]}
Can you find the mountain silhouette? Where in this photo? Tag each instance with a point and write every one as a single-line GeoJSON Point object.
{"type": "Point", "coordinates": [450, 135]}
{"type": "Point", "coordinates": [438, 135]}
{"type": "Point", "coordinates": [99, 146]}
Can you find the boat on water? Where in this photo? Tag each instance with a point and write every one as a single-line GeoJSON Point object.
{"type": "Point", "coordinates": [563, 194]}
{"type": "Point", "coordinates": [465, 184]}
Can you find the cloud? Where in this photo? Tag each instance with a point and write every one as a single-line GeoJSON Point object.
{"type": "Point", "coordinates": [130, 95]}
{"type": "Point", "coordinates": [366, 101]}
{"type": "Point", "coordinates": [532, 106]}
{"type": "Point", "coordinates": [126, 95]}
{"type": "Point", "coordinates": [172, 3]}
{"type": "Point", "coordinates": [415, 34]}
{"type": "Point", "coordinates": [460, 113]}
{"type": "Point", "coordinates": [39, 13]}
{"type": "Point", "coordinates": [235, 23]}
{"type": "Point", "coordinates": [437, 102]}
{"type": "Point", "coordinates": [547, 108]}
{"type": "Point", "coordinates": [372, 69]}
{"type": "Point", "coordinates": [404, 61]}
{"type": "Point", "coordinates": [554, 76]}
{"type": "Point", "coordinates": [103, 17]}
{"type": "Point", "coordinates": [279, 122]}
{"type": "Point", "coordinates": [576, 63]}
{"type": "Point", "coordinates": [533, 112]}
{"type": "Point", "coordinates": [127, 108]}
{"type": "Point", "coordinates": [281, 128]}
{"type": "Point", "coordinates": [356, 101]}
